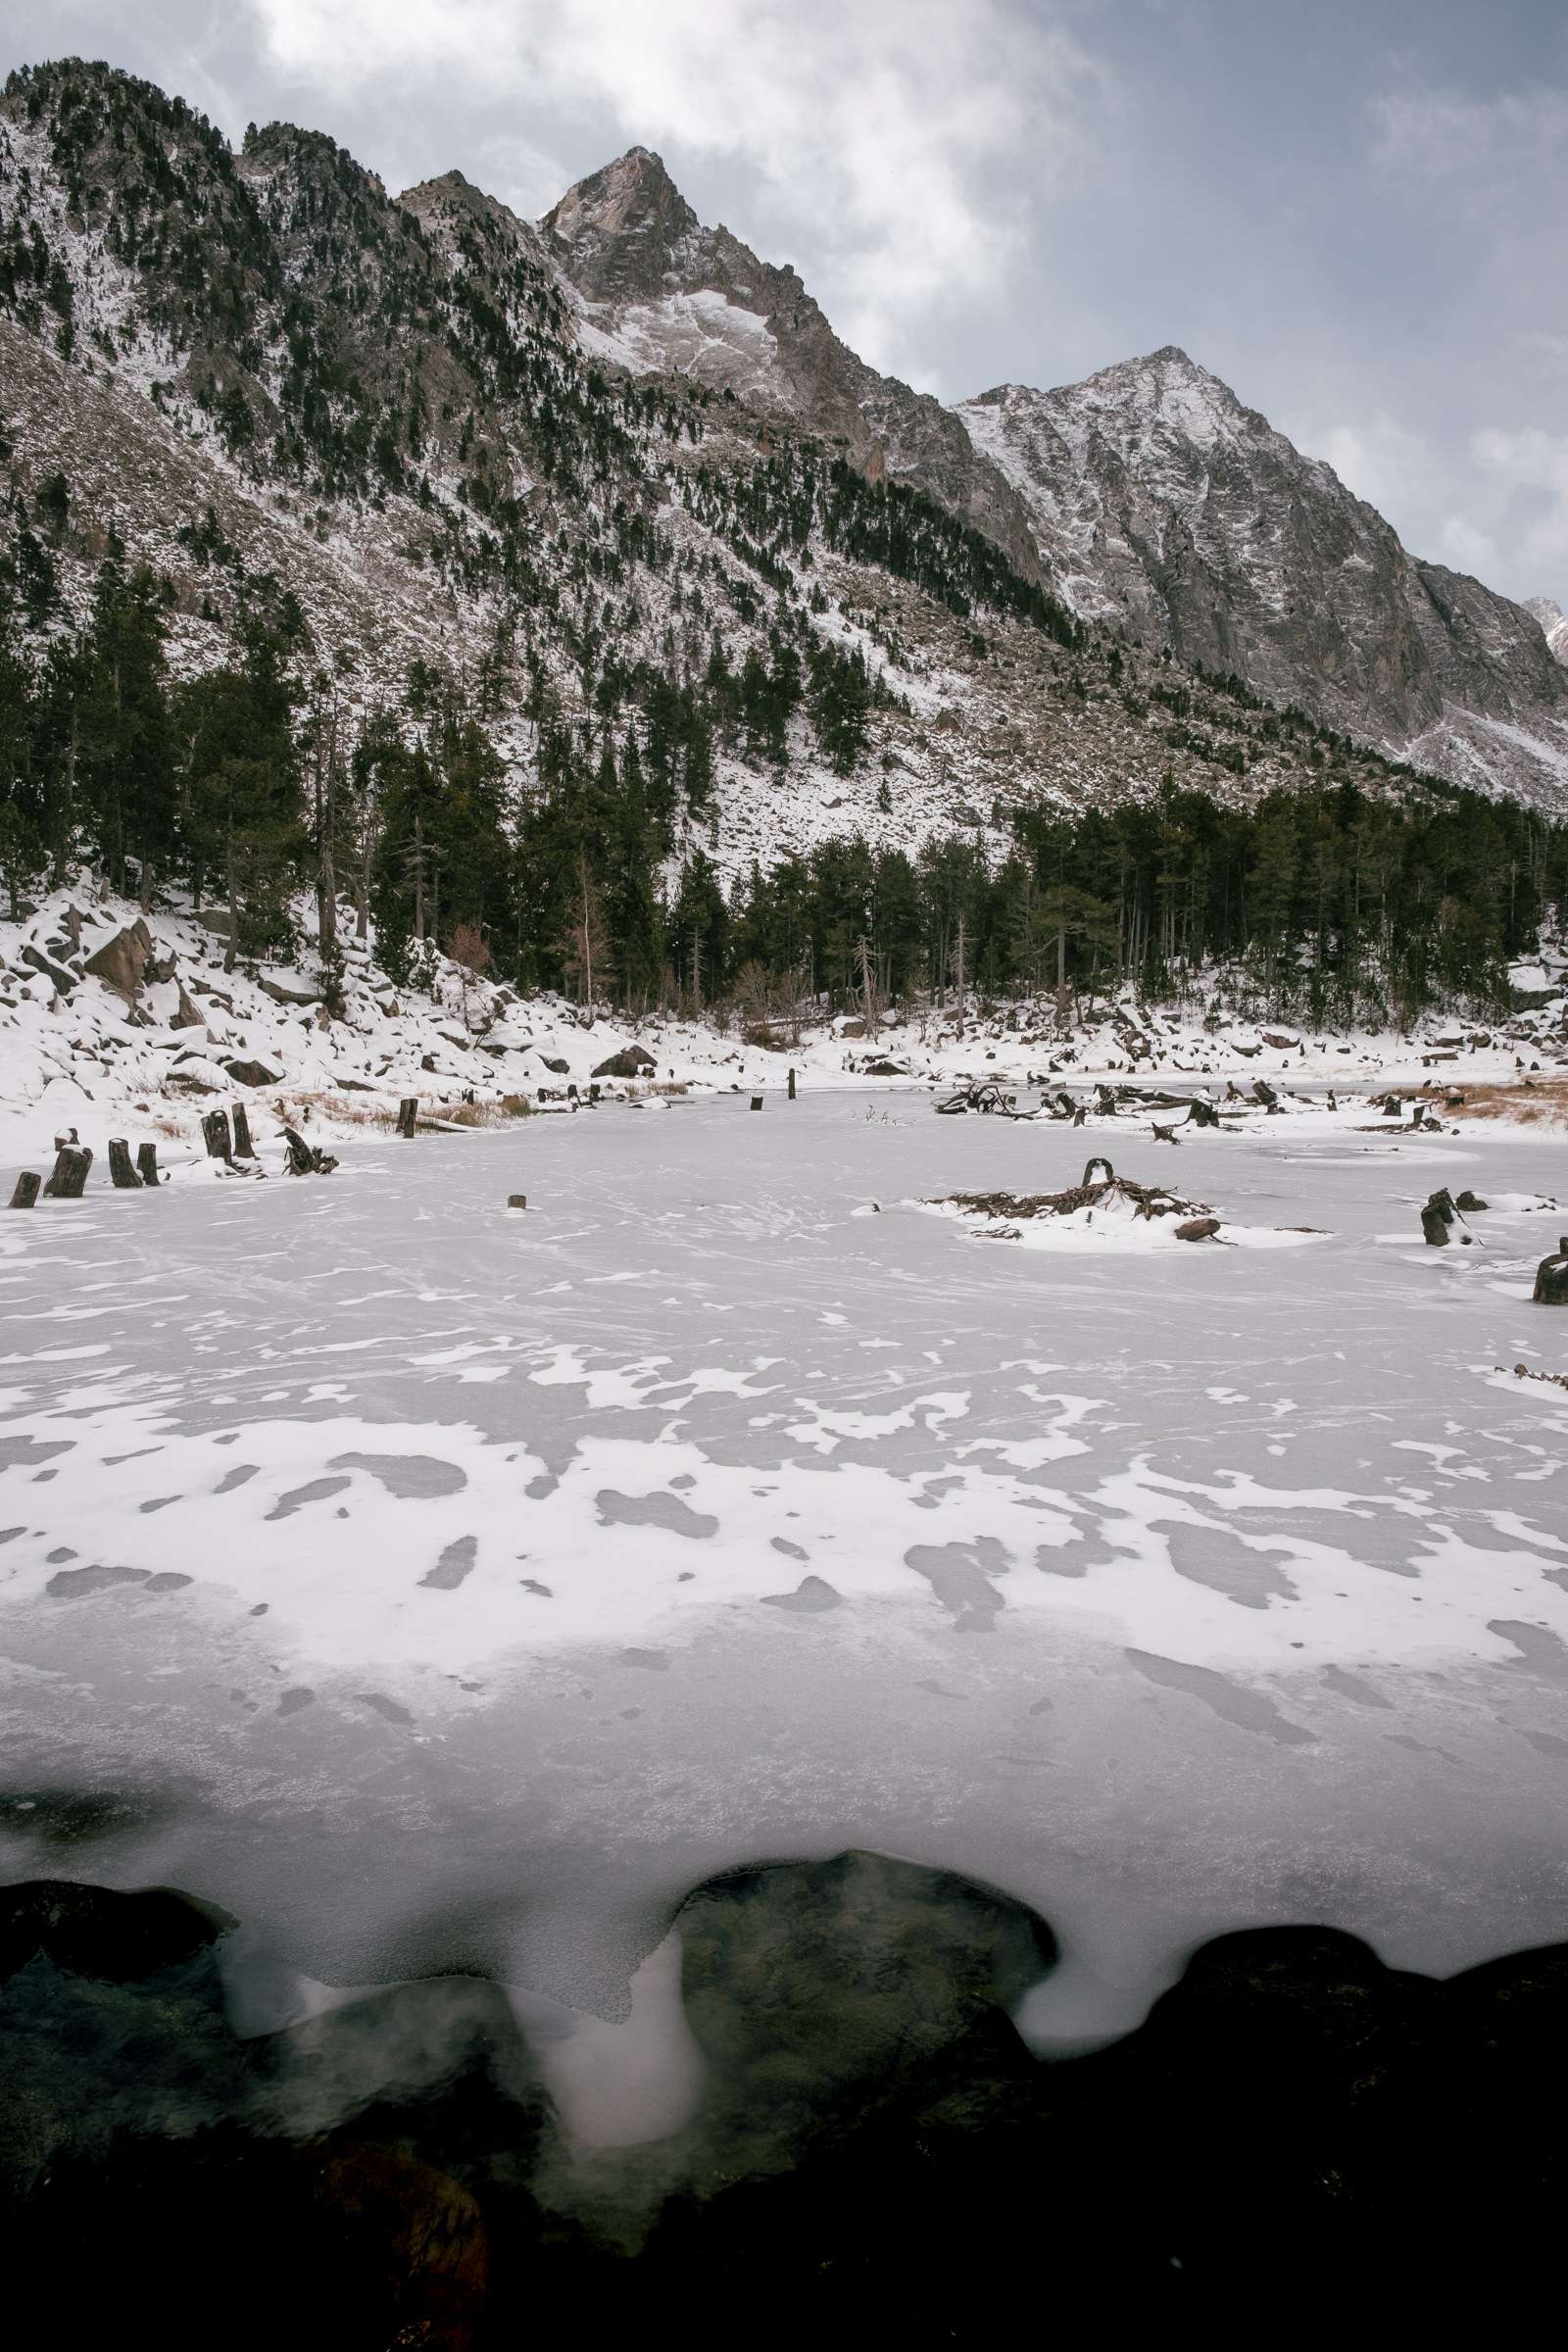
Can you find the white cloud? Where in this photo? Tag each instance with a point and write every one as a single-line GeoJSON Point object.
{"type": "Point", "coordinates": [1527, 471]}
{"type": "Point", "coordinates": [1446, 134]}
{"type": "Point", "coordinates": [893, 134]}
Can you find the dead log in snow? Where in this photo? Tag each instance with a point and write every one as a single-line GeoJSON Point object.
{"type": "Point", "coordinates": [121, 1174]}
{"type": "Point", "coordinates": [147, 1164]}
{"type": "Point", "coordinates": [68, 1179]}
{"type": "Point", "coordinates": [26, 1194]}
{"type": "Point", "coordinates": [216, 1135]}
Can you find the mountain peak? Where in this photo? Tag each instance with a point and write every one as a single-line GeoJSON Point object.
{"type": "Point", "coordinates": [622, 224]}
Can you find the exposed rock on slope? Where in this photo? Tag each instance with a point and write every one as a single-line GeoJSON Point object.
{"type": "Point", "coordinates": [1160, 503]}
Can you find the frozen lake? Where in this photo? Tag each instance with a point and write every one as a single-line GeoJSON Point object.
{"type": "Point", "coordinates": [447, 1589]}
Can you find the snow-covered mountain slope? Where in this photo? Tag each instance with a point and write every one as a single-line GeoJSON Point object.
{"type": "Point", "coordinates": [1553, 624]}
{"type": "Point", "coordinates": [1162, 505]}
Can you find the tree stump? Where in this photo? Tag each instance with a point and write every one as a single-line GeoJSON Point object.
{"type": "Point", "coordinates": [791, 1086]}
{"type": "Point", "coordinates": [756, 1101]}
{"type": "Point", "coordinates": [407, 1112]}
{"type": "Point", "coordinates": [244, 1148]}
{"type": "Point", "coordinates": [516, 1200]}
{"type": "Point", "coordinates": [1089, 1173]}
{"type": "Point", "coordinates": [68, 1179]}
{"type": "Point", "coordinates": [1202, 1114]}
{"type": "Point", "coordinates": [1434, 1227]}
{"type": "Point", "coordinates": [1551, 1278]}
{"type": "Point", "coordinates": [1469, 1202]}
{"type": "Point", "coordinates": [121, 1174]}
{"type": "Point", "coordinates": [1264, 1093]}
{"type": "Point", "coordinates": [26, 1194]}
{"type": "Point", "coordinates": [215, 1133]}
{"type": "Point", "coordinates": [1105, 1102]}
{"type": "Point", "coordinates": [147, 1164]}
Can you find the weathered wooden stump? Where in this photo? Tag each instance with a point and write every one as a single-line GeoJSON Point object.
{"type": "Point", "coordinates": [1264, 1093]}
{"type": "Point", "coordinates": [1105, 1101]}
{"type": "Point", "coordinates": [1468, 1204]}
{"type": "Point", "coordinates": [1435, 1226]}
{"type": "Point", "coordinates": [244, 1148]}
{"type": "Point", "coordinates": [1391, 1106]}
{"type": "Point", "coordinates": [67, 1179]}
{"type": "Point", "coordinates": [147, 1164]}
{"type": "Point", "coordinates": [216, 1135]}
{"type": "Point", "coordinates": [516, 1200]}
{"type": "Point", "coordinates": [121, 1174]}
{"type": "Point", "coordinates": [756, 1101]}
{"type": "Point", "coordinates": [408, 1113]}
{"type": "Point", "coordinates": [1109, 1176]}
{"type": "Point", "coordinates": [1551, 1278]}
{"type": "Point", "coordinates": [791, 1086]}
{"type": "Point", "coordinates": [1202, 1114]}
{"type": "Point", "coordinates": [26, 1194]}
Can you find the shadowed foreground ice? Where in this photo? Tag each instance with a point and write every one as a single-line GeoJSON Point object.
{"type": "Point", "coordinates": [441, 1589]}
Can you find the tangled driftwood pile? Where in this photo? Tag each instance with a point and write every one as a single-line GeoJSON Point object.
{"type": "Point", "coordinates": [1097, 1190]}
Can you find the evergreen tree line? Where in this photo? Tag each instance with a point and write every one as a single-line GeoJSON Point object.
{"type": "Point", "coordinates": [249, 784]}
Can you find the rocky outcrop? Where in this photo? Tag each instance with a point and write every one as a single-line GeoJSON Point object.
{"type": "Point", "coordinates": [632, 1061]}
{"type": "Point", "coordinates": [121, 963]}
{"type": "Point", "coordinates": [660, 293]}
{"type": "Point", "coordinates": [1166, 508]}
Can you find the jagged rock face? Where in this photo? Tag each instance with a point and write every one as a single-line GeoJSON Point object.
{"type": "Point", "coordinates": [1163, 505]}
{"type": "Point", "coordinates": [664, 294]}
{"type": "Point", "coordinates": [1554, 626]}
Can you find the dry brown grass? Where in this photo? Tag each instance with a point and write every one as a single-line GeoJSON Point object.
{"type": "Point", "coordinates": [1520, 1101]}
{"type": "Point", "coordinates": [378, 1116]}
{"type": "Point", "coordinates": [487, 1114]}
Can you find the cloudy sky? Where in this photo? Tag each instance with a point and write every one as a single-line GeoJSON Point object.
{"type": "Point", "coordinates": [1354, 211]}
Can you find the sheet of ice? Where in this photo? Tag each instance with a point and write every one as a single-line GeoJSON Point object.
{"type": "Point", "coordinates": [1169, 1592]}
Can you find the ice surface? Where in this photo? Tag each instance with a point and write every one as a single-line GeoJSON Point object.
{"type": "Point", "coordinates": [508, 1575]}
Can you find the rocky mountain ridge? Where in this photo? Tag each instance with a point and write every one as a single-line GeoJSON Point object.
{"type": "Point", "coordinates": [1149, 497]}
{"type": "Point", "coordinates": [660, 292]}
{"type": "Point", "coordinates": [1162, 505]}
